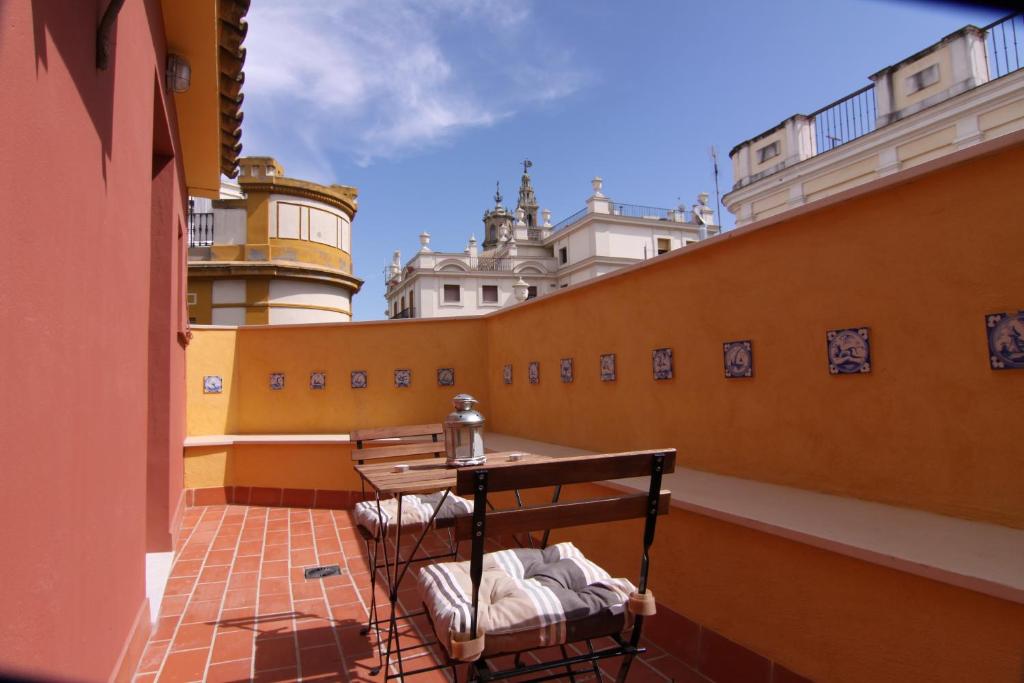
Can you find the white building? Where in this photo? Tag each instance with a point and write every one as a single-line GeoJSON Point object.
{"type": "Point", "coordinates": [958, 92]}
{"type": "Point", "coordinates": [523, 255]}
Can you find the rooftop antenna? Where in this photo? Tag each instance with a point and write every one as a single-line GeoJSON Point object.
{"type": "Point", "coordinates": [718, 201]}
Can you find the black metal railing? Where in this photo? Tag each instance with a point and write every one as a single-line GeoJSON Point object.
{"type": "Point", "coordinates": [491, 263]}
{"type": "Point", "coordinates": [566, 222]}
{"type": "Point", "coordinates": [404, 313]}
{"type": "Point", "coordinates": [846, 119]}
{"type": "Point", "coordinates": [1004, 45]}
{"type": "Point", "coordinates": [637, 211]}
{"type": "Point", "coordinates": [200, 229]}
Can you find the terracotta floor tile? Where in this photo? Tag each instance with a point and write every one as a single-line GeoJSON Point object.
{"type": "Point", "coordinates": [275, 552]}
{"type": "Point", "coordinates": [276, 537]}
{"type": "Point", "coordinates": [274, 604]}
{"type": "Point", "coordinates": [303, 558]}
{"type": "Point", "coordinates": [246, 580]}
{"type": "Point", "coordinates": [191, 636]}
{"type": "Point", "coordinates": [315, 608]}
{"type": "Point", "coordinates": [314, 633]}
{"type": "Point", "coordinates": [173, 605]}
{"type": "Point", "coordinates": [181, 586]}
{"type": "Point", "coordinates": [676, 671]}
{"type": "Point", "coordinates": [201, 611]}
{"type": "Point", "coordinates": [232, 645]}
{"type": "Point", "coordinates": [164, 628]}
{"type": "Point", "coordinates": [229, 672]}
{"type": "Point", "coordinates": [250, 548]}
{"type": "Point", "coordinates": [275, 586]}
{"type": "Point", "coordinates": [153, 656]}
{"type": "Point", "coordinates": [307, 590]}
{"type": "Point", "coordinates": [209, 591]}
{"type": "Point", "coordinates": [144, 678]}
{"type": "Point", "coordinates": [245, 597]}
{"type": "Point", "coordinates": [185, 666]}
{"type": "Point", "coordinates": [275, 569]}
{"type": "Point", "coordinates": [220, 557]}
{"type": "Point", "coordinates": [299, 541]}
{"type": "Point", "coordinates": [183, 568]}
{"type": "Point", "coordinates": [274, 653]}
{"type": "Point", "coordinates": [249, 563]}
{"type": "Point", "coordinates": [235, 617]}
{"type": "Point", "coordinates": [285, 675]}
{"type": "Point", "coordinates": [215, 574]}
{"type": "Point", "coordinates": [352, 612]}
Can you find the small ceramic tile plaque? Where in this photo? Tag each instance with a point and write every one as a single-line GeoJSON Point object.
{"type": "Point", "coordinates": [608, 367]}
{"type": "Point", "coordinates": [533, 372]}
{"type": "Point", "coordinates": [506, 374]}
{"type": "Point", "coordinates": [1005, 340]}
{"type": "Point", "coordinates": [565, 370]}
{"type": "Point", "coordinates": [359, 379]}
{"type": "Point", "coordinates": [212, 384]}
{"type": "Point", "coordinates": [403, 378]}
{"type": "Point", "coordinates": [317, 380]}
{"type": "Point", "coordinates": [276, 381]}
{"type": "Point", "coordinates": [446, 377]}
{"type": "Point", "coordinates": [662, 361]}
{"type": "Point", "coordinates": [849, 351]}
{"type": "Point", "coordinates": [739, 358]}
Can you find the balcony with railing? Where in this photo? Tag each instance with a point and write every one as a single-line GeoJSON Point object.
{"type": "Point", "coordinates": [200, 229]}
{"type": "Point", "coordinates": [652, 213]}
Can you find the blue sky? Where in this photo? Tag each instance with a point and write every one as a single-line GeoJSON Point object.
{"type": "Point", "coordinates": [424, 104]}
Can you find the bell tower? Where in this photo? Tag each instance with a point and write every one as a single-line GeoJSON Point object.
{"type": "Point", "coordinates": [527, 198]}
{"type": "Point", "coordinates": [497, 221]}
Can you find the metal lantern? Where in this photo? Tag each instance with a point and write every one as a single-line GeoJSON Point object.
{"type": "Point", "coordinates": [464, 434]}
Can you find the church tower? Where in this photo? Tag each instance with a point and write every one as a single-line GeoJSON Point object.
{"type": "Point", "coordinates": [527, 199]}
{"type": "Point", "coordinates": [497, 222]}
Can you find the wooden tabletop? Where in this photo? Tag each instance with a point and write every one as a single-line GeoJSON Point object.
{"type": "Point", "coordinates": [431, 474]}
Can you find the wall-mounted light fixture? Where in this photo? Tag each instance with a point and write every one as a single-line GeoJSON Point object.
{"type": "Point", "coordinates": [179, 73]}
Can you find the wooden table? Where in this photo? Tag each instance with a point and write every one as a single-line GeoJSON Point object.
{"type": "Point", "coordinates": [422, 476]}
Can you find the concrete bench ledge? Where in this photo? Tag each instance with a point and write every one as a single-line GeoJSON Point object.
{"type": "Point", "coordinates": [979, 556]}
{"type": "Point", "coordinates": [232, 439]}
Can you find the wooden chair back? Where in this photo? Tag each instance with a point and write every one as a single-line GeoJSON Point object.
{"type": "Point", "coordinates": [570, 470]}
{"type": "Point", "coordinates": [376, 443]}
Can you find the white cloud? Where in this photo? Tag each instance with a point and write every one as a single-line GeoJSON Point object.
{"type": "Point", "coordinates": [382, 78]}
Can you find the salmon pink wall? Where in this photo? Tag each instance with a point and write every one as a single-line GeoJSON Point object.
{"type": "Point", "coordinates": [90, 291]}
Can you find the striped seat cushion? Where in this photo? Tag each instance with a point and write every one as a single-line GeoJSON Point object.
{"type": "Point", "coordinates": [528, 599]}
{"type": "Point", "coordinates": [416, 511]}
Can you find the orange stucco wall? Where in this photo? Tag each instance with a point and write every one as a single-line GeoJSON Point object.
{"type": "Point", "coordinates": [929, 427]}
{"type": "Point", "coordinates": [92, 405]}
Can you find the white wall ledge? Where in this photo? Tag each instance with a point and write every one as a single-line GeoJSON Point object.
{"type": "Point", "coordinates": [270, 439]}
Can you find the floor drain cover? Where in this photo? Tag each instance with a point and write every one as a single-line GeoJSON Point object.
{"type": "Point", "coordinates": [322, 572]}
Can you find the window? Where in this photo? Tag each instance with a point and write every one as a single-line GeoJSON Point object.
{"type": "Point", "coordinates": [922, 79]}
{"type": "Point", "coordinates": [403, 304]}
{"type": "Point", "coordinates": [531, 293]}
{"type": "Point", "coordinates": [452, 294]}
{"type": "Point", "coordinates": [490, 294]}
{"type": "Point", "coordinates": [768, 152]}
{"type": "Point", "coordinates": [664, 245]}
{"type": "Point", "coordinates": [563, 255]}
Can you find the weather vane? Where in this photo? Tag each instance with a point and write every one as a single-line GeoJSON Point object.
{"type": "Point", "coordinates": [526, 165]}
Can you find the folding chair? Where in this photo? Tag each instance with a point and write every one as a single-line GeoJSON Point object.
{"type": "Point", "coordinates": [512, 601]}
{"type": "Point", "coordinates": [376, 517]}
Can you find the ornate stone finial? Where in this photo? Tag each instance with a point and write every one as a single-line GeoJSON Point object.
{"type": "Point", "coordinates": [472, 238]}
{"type": "Point", "coordinates": [547, 217]}
{"type": "Point", "coordinates": [424, 241]}
{"type": "Point", "coordinates": [703, 214]}
{"type": "Point", "coordinates": [597, 183]}
{"type": "Point", "coordinates": [497, 193]}
{"type": "Point", "coordinates": [526, 166]}
{"type": "Point", "coordinates": [520, 216]}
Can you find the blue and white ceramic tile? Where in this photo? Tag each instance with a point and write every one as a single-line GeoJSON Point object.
{"type": "Point", "coordinates": [662, 361]}
{"type": "Point", "coordinates": [277, 381]}
{"type": "Point", "coordinates": [739, 358]}
{"type": "Point", "coordinates": [212, 384]}
{"type": "Point", "coordinates": [565, 370]}
{"type": "Point", "coordinates": [533, 372]}
{"type": "Point", "coordinates": [317, 380]}
{"type": "Point", "coordinates": [849, 351]}
{"type": "Point", "coordinates": [608, 367]}
{"type": "Point", "coordinates": [446, 377]}
{"type": "Point", "coordinates": [403, 379]}
{"type": "Point", "coordinates": [506, 374]}
{"type": "Point", "coordinates": [359, 379]}
{"type": "Point", "coordinates": [1005, 340]}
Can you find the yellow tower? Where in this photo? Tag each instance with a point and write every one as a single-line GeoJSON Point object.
{"type": "Point", "coordinates": [272, 250]}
